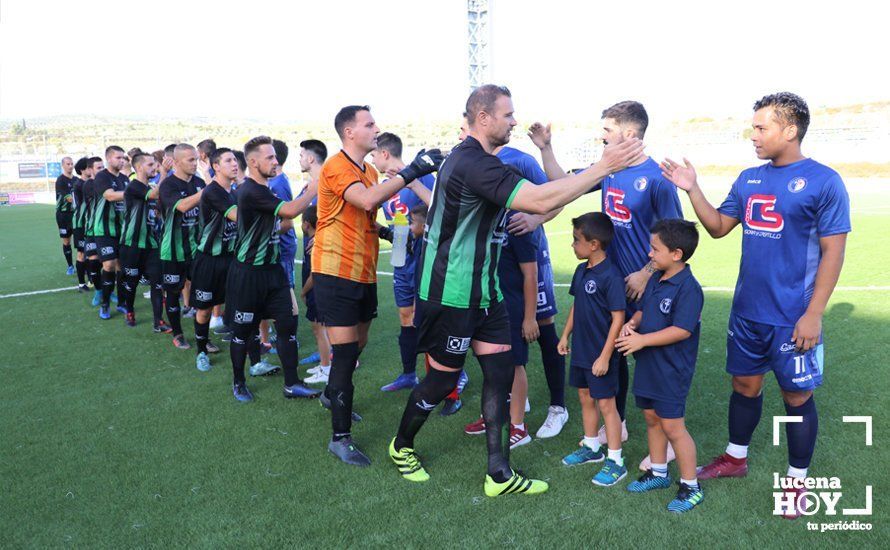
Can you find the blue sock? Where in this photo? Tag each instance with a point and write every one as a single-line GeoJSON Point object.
{"type": "Point", "coordinates": [802, 435]}
{"type": "Point", "coordinates": [554, 365]}
{"type": "Point", "coordinates": [408, 349]}
{"type": "Point", "coordinates": [744, 415]}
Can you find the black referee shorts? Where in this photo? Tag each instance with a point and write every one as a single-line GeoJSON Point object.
{"type": "Point", "coordinates": [254, 293]}
{"type": "Point", "coordinates": [209, 280]}
{"type": "Point", "coordinates": [344, 303]}
{"type": "Point", "coordinates": [446, 332]}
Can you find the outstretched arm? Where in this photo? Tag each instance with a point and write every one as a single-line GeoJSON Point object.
{"type": "Point", "coordinates": [684, 177]}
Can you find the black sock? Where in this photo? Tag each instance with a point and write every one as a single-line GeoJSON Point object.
{"type": "Point", "coordinates": [802, 435]}
{"type": "Point", "coordinates": [119, 279]}
{"type": "Point", "coordinates": [202, 332]}
{"type": "Point", "coordinates": [340, 389]}
{"type": "Point", "coordinates": [107, 286]}
{"type": "Point", "coordinates": [497, 373]}
{"type": "Point", "coordinates": [423, 399]}
{"type": "Point", "coordinates": [238, 349]}
{"type": "Point", "coordinates": [253, 349]}
{"type": "Point", "coordinates": [66, 251]}
{"type": "Point", "coordinates": [287, 349]}
{"type": "Point", "coordinates": [128, 299]}
{"type": "Point", "coordinates": [744, 415]}
{"type": "Point", "coordinates": [81, 268]}
{"type": "Point", "coordinates": [173, 313]}
{"type": "Point", "coordinates": [94, 267]}
{"type": "Point", "coordinates": [554, 365]}
{"type": "Point", "coordinates": [623, 380]}
{"type": "Point", "coordinates": [157, 301]}
{"type": "Point", "coordinates": [408, 349]}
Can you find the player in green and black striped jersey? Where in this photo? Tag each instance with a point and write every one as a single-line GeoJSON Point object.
{"type": "Point", "coordinates": [210, 266]}
{"type": "Point", "coordinates": [94, 266]}
{"type": "Point", "coordinates": [139, 244]}
{"type": "Point", "coordinates": [84, 172]}
{"type": "Point", "coordinates": [459, 298]}
{"type": "Point", "coordinates": [65, 208]}
{"type": "Point", "coordinates": [108, 189]}
{"type": "Point", "coordinates": [179, 198]}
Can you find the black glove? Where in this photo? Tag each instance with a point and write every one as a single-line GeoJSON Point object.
{"type": "Point", "coordinates": [385, 233]}
{"type": "Point", "coordinates": [426, 162]}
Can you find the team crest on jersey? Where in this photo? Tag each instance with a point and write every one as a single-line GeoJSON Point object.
{"type": "Point", "coordinates": [796, 185]}
{"type": "Point", "coordinates": [590, 287]}
{"type": "Point", "coordinates": [457, 345]}
{"type": "Point", "coordinates": [665, 306]}
{"type": "Point", "coordinates": [641, 183]}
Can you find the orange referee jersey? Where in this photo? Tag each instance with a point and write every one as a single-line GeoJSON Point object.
{"type": "Point", "coordinates": [346, 242]}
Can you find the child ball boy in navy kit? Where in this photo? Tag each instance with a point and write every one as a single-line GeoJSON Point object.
{"type": "Point", "coordinates": [663, 336]}
{"type": "Point", "coordinates": [594, 324]}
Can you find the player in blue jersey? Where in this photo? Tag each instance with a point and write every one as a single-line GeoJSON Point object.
{"type": "Point", "coordinates": [795, 216]}
{"type": "Point", "coordinates": [387, 158]}
{"type": "Point", "coordinates": [634, 198]}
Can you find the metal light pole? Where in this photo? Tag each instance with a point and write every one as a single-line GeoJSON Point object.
{"type": "Point", "coordinates": [478, 42]}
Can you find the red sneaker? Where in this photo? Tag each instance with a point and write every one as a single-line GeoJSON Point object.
{"type": "Point", "coordinates": [518, 437]}
{"type": "Point", "coordinates": [724, 466]}
{"type": "Point", "coordinates": [162, 328]}
{"type": "Point", "coordinates": [180, 342]}
{"type": "Point", "coordinates": [475, 428]}
{"type": "Point", "coordinates": [794, 513]}
{"type": "Point", "coordinates": [131, 319]}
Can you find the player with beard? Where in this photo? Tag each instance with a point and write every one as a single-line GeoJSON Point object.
{"type": "Point", "coordinates": [108, 189]}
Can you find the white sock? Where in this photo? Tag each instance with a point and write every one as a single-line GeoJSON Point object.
{"type": "Point", "coordinates": [660, 470]}
{"type": "Point", "coordinates": [691, 482]}
{"type": "Point", "coordinates": [737, 451]}
{"type": "Point", "coordinates": [520, 426]}
{"type": "Point", "coordinates": [592, 443]}
{"type": "Point", "coordinates": [797, 472]}
{"type": "Point", "coordinates": [615, 456]}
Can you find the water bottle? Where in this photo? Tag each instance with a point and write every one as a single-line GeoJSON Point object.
{"type": "Point", "coordinates": [399, 239]}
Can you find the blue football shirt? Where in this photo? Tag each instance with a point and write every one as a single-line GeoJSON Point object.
{"type": "Point", "coordinates": [406, 199]}
{"type": "Point", "coordinates": [783, 211]}
{"type": "Point", "coordinates": [529, 168]}
{"type": "Point", "coordinates": [598, 291]}
{"type": "Point", "coordinates": [635, 198]}
{"type": "Point", "coordinates": [280, 187]}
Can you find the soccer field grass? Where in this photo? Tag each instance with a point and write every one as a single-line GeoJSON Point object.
{"type": "Point", "coordinates": [112, 438]}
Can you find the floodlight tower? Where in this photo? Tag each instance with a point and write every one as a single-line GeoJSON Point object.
{"type": "Point", "coordinates": [479, 39]}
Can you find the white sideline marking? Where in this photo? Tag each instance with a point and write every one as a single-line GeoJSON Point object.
{"type": "Point", "coordinates": [559, 285]}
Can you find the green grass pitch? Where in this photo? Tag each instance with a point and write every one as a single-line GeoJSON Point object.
{"type": "Point", "coordinates": [109, 437]}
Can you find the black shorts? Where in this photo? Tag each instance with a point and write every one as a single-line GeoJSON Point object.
{"type": "Point", "coordinates": [446, 332]}
{"type": "Point", "coordinates": [138, 262]}
{"type": "Point", "coordinates": [79, 239]}
{"type": "Point", "coordinates": [107, 248]}
{"type": "Point", "coordinates": [344, 303]}
{"type": "Point", "coordinates": [175, 274]}
{"type": "Point", "coordinates": [89, 246]}
{"type": "Point", "coordinates": [254, 293]}
{"type": "Point", "coordinates": [311, 307]}
{"type": "Point", "coordinates": [209, 280]}
{"type": "Point", "coordinates": [64, 220]}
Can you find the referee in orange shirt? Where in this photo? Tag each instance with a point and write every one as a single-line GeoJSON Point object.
{"type": "Point", "coordinates": [344, 258]}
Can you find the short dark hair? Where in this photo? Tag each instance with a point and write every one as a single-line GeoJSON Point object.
{"type": "Point", "coordinates": [419, 209]}
{"type": "Point", "coordinates": [390, 143]}
{"type": "Point", "coordinates": [93, 160]}
{"type": "Point", "coordinates": [159, 155]}
{"type": "Point", "coordinates": [483, 98]}
{"type": "Point", "coordinates": [317, 148]}
{"type": "Point", "coordinates": [595, 226]}
{"type": "Point", "coordinates": [242, 162]}
{"type": "Point", "coordinates": [217, 153]}
{"type": "Point", "coordinates": [629, 112]}
{"type": "Point", "coordinates": [677, 234]}
{"type": "Point", "coordinates": [133, 152]}
{"type": "Point", "coordinates": [207, 146]}
{"type": "Point", "coordinates": [346, 116]}
{"type": "Point", "coordinates": [310, 216]}
{"type": "Point", "coordinates": [81, 165]}
{"type": "Point", "coordinates": [140, 157]}
{"type": "Point", "coordinates": [255, 144]}
{"type": "Point", "coordinates": [117, 148]}
{"type": "Point", "coordinates": [168, 150]}
{"type": "Point", "coordinates": [790, 109]}
{"type": "Point", "coordinates": [281, 151]}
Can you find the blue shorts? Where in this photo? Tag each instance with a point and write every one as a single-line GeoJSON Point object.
{"type": "Point", "coordinates": [287, 262]}
{"type": "Point", "coordinates": [755, 348]}
{"type": "Point", "coordinates": [662, 408]}
{"type": "Point", "coordinates": [403, 287]}
{"type": "Point", "coordinates": [519, 347]}
{"type": "Point", "coordinates": [600, 387]}
{"type": "Point", "coordinates": [546, 298]}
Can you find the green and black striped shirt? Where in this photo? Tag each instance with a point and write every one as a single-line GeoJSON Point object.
{"type": "Point", "coordinates": [258, 225]}
{"type": "Point", "coordinates": [63, 193]}
{"type": "Point", "coordinates": [179, 238]}
{"type": "Point", "coordinates": [217, 231]}
{"type": "Point", "coordinates": [108, 215]}
{"type": "Point", "coordinates": [137, 231]}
